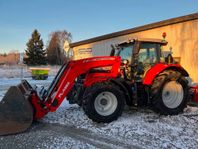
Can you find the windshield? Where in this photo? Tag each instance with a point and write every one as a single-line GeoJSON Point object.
{"type": "Point", "coordinates": [148, 53]}
{"type": "Point", "coordinates": [125, 52]}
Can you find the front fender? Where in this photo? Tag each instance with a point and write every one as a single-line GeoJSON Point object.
{"type": "Point", "coordinates": [158, 68]}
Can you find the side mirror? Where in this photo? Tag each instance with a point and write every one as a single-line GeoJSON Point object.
{"type": "Point", "coordinates": [112, 51]}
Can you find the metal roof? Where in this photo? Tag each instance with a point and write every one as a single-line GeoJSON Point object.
{"type": "Point", "coordinates": [137, 29]}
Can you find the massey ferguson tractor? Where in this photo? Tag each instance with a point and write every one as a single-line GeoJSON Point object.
{"type": "Point", "coordinates": [136, 74]}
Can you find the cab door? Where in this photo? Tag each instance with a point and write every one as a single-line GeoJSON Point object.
{"type": "Point", "coordinates": [148, 56]}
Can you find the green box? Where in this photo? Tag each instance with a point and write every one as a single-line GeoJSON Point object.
{"type": "Point", "coordinates": [39, 73]}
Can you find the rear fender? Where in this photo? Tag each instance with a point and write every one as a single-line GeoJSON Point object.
{"type": "Point", "coordinates": [158, 68]}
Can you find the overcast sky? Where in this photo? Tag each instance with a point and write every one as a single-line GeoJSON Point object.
{"type": "Point", "coordinates": [83, 18]}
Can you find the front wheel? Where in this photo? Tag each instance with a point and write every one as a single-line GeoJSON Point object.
{"type": "Point", "coordinates": [103, 102]}
{"type": "Point", "coordinates": [169, 93]}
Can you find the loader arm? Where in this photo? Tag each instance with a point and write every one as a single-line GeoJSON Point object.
{"type": "Point", "coordinates": [21, 104]}
{"type": "Point", "coordinates": [65, 79]}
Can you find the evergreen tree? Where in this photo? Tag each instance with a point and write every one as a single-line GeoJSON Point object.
{"type": "Point", "coordinates": [35, 53]}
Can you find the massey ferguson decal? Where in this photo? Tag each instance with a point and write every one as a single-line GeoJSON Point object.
{"type": "Point", "coordinates": [99, 59]}
{"type": "Point", "coordinates": [64, 89]}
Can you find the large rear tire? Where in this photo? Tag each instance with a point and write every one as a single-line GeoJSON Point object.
{"type": "Point", "coordinates": [103, 102]}
{"type": "Point", "coordinates": [169, 93]}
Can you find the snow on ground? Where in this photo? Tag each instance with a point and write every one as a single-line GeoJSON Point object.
{"type": "Point", "coordinates": [137, 127]}
{"type": "Point", "coordinates": [16, 71]}
{"type": "Point", "coordinates": [12, 75]}
{"type": "Point", "coordinates": [40, 137]}
{"type": "Point", "coordinates": [141, 128]}
{"type": "Point", "coordinates": [5, 83]}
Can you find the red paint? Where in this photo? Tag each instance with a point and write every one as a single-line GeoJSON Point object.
{"type": "Point", "coordinates": [194, 90]}
{"type": "Point", "coordinates": [39, 111]}
{"type": "Point", "coordinates": [156, 69]}
{"type": "Point", "coordinates": [66, 81]}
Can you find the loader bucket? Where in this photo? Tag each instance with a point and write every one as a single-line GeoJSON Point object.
{"type": "Point", "coordinates": [16, 112]}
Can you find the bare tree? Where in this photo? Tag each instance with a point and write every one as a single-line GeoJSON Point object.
{"type": "Point", "coordinates": [55, 48]}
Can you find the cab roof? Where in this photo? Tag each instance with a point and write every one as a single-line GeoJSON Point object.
{"type": "Point", "coordinates": [151, 40]}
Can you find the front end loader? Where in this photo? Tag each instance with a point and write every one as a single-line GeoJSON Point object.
{"type": "Point", "coordinates": [22, 104]}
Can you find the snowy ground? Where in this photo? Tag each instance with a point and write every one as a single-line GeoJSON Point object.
{"type": "Point", "coordinates": [69, 127]}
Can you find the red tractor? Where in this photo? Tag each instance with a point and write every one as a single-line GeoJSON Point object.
{"type": "Point", "coordinates": [137, 75]}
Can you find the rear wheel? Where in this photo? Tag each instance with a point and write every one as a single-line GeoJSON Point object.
{"type": "Point", "coordinates": [103, 102]}
{"type": "Point", "coordinates": [169, 93]}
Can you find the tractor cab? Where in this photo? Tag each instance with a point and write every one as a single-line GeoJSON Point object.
{"type": "Point", "coordinates": [139, 55]}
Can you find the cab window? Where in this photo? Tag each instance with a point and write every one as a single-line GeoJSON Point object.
{"type": "Point", "coordinates": [148, 53]}
{"type": "Point", "coordinates": [126, 53]}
